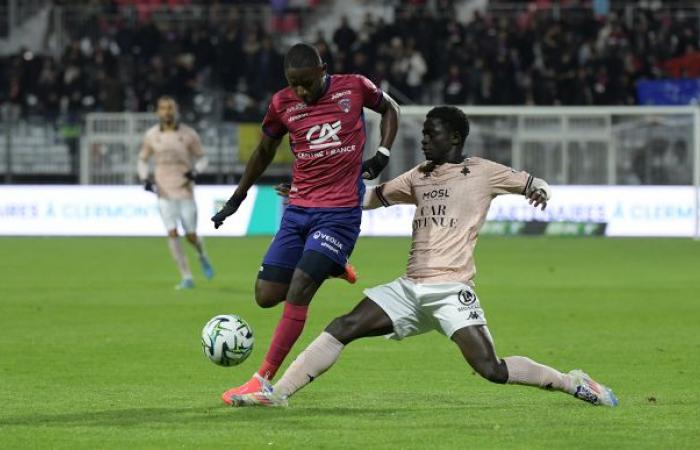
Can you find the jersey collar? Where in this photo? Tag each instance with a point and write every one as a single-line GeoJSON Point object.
{"type": "Point", "coordinates": [175, 128]}
{"type": "Point", "coordinates": [327, 82]}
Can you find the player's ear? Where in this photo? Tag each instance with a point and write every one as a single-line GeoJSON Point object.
{"type": "Point", "coordinates": [324, 69]}
{"type": "Point", "coordinates": [456, 139]}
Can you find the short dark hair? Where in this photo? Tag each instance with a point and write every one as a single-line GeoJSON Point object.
{"type": "Point", "coordinates": [166, 98]}
{"type": "Point", "coordinates": [454, 118]}
{"type": "Point", "coordinates": [302, 55]}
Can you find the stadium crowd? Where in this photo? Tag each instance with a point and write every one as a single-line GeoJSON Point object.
{"type": "Point", "coordinates": [423, 56]}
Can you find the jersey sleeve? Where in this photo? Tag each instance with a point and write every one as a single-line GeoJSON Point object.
{"type": "Point", "coordinates": [396, 191]}
{"type": "Point", "coordinates": [505, 180]}
{"type": "Point", "coordinates": [272, 124]}
{"type": "Point", "coordinates": [146, 148]}
{"type": "Point", "coordinates": [372, 96]}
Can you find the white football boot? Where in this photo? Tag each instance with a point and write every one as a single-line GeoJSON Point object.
{"type": "Point", "coordinates": [589, 390]}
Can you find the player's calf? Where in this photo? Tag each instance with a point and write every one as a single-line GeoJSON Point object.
{"type": "Point", "coordinates": [478, 350]}
{"type": "Point", "coordinates": [494, 370]}
{"type": "Point", "coordinates": [302, 288]}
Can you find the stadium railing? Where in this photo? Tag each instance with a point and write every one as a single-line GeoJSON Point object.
{"type": "Point", "coordinates": [570, 145]}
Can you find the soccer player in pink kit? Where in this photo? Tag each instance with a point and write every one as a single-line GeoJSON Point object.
{"type": "Point", "coordinates": [177, 151]}
{"type": "Point", "coordinates": [452, 195]}
{"type": "Point", "coordinates": [324, 117]}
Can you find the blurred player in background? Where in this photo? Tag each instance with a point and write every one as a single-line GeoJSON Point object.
{"type": "Point", "coordinates": [178, 156]}
{"type": "Point", "coordinates": [452, 195]}
{"type": "Point", "coordinates": [324, 117]}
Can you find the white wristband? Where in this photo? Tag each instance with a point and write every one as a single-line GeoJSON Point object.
{"type": "Point", "coordinates": [384, 151]}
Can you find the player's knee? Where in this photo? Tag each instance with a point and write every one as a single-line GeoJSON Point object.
{"type": "Point", "coordinates": [493, 370]}
{"type": "Point", "coordinates": [344, 328]}
{"type": "Point", "coordinates": [172, 233]}
{"type": "Point", "coordinates": [267, 298]}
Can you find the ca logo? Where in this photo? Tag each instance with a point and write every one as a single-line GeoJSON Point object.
{"type": "Point", "coordinates": [325, 133]}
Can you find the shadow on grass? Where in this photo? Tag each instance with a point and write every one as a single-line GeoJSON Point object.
{"type": "Point", "coordinates": [167, 416]}
{"type": "Point", "coordinates": [308, 413]}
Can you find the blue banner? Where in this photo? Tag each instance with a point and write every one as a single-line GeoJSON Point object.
{"type": "Point", "coordinates": [601, 7]}
{"type": "Point", "coordinates": [669, 92]}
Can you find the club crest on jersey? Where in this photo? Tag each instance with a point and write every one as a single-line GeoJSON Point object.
{"type": "Point", "coordinates": [344, 104]}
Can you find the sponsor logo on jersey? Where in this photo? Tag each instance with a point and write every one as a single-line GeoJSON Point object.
{"type": "Point", "coordinates": [324, 136]}
{"type": "Point", "coordinates": [321, 153]}
{"type": "Point", "coordinates": [340, 94]}
{"type": "Point", "coordinates": [295, 107]}
{"type": "Point", "coordinates": [436, 194]}
{"type": "Point", "coordinates": [298, 116]}
{"type": "Point", "coordinates": [433, 215]}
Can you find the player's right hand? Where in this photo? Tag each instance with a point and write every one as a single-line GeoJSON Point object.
{"type": "Point", "coordinates": [148, 186]}
{"type": "Point", "coordinates": [538, 197]}
{"type": "Point", "coordinates": [230, 207]}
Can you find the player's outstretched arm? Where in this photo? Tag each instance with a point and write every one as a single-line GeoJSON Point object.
{"type": "Point", "coordinates": [258, 162]}
{"type": "Point", "coordinates": [394, 192]}
{"type": "Point", "coordinates": [390, 112]}
{"type": "Point", "coordinates": [505, 180]}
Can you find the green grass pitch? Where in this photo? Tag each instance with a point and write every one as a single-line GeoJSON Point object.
{"type": "Point", "coordinates": [98, 351]}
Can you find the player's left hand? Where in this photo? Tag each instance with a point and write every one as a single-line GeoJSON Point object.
{"type": "Point", "coordinates": [230, 207]}
{"type": "Point", "coordinates": [538, 197]}
{"type": "Point", "coordinates": [372, 167]}
{"type": "Point", "coordinates": [191, 175]}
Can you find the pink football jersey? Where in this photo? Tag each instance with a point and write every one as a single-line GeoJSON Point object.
{"type": "Point", "coordinates": [327, 138]}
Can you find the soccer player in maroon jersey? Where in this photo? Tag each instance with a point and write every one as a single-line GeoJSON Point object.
{"type": "Point", "coordinates": [324, 117]}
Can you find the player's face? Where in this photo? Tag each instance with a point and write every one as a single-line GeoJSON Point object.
{"type": "Point", "coordinates": [437, 140]}
{"type": "Point", "coordinates": [306, 82]}
{"type": "Point", "coordinates": [167, 111]}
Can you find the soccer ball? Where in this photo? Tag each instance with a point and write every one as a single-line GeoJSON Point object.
{"type": "Point", "coordinates": [227, 340]}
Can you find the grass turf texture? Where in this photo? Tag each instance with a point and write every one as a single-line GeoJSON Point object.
{"type": "Point", "coordinates": [98, 351]}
